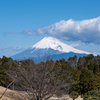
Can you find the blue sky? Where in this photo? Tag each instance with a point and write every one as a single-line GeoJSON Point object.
{"type": "Point", "coordinates": [24, 22]}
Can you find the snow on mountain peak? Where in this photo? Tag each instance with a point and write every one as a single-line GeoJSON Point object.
{"type": "Point", "coordinates": [48, 42]}
{"type": "Point", "coordinates": [55, 44]}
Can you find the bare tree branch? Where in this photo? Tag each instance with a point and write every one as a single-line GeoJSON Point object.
{"type": "Point", "coordinates": [8, 87]}
{"type": "Point", "coordinates": [40, 80]}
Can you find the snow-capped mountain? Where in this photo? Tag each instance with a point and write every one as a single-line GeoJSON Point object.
{"type": "Point", "coordinates": [55, 44]}
{"type": "Point", "coordinates": [50, 46]}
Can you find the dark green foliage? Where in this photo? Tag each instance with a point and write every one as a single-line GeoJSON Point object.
{"type": "Point", "coordinates": [65, 67]}
{"type": "Point", "coordinates": [74, 95]}
{"type": "Point", "coordinates": [96, 68]}
{"type": "Point", "coordinates": [83, 74]}
{"type": "Point", "coordinates": [84, 71]}
{"type": "Point", "coordinates": [92, 95]}
{"type": "Point", "coordinates": [73, 61]}
{"type": "Point", "coordinates": [81, 60]}
{"type": "Point", "coordinates": [94, 83]}
{"type": "Point", "coordinates": [91, 66]}
{"type": "Point", "coordinates": [90, 57]}
{"type": "Point", "coordinates": [84, 79]}
{"type": "Point", "coordinates": [3, 67]}
{"type": "Point", "coordinates": [76, 78]}
{"type": "Point", "coordinates": [4, 59]}
{"type": "Point", "coordinates": [80, 67]}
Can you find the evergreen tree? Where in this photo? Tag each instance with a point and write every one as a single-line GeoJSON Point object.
{"type": "Point", "coordinates": [84, 79]}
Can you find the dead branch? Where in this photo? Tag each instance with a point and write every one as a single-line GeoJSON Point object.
{"type": "Point", "coordinates": [8, 87]}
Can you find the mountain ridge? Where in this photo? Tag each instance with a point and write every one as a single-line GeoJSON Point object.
{"type": "Point", "coordinates": [50, 42]}
{"type": "Point", "coordinates": [49, 46]}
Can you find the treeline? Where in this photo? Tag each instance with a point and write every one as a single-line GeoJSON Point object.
{"type": "Point", "coordinates": [76, 74]}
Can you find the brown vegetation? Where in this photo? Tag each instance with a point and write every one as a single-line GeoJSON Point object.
{"type": "Point", "coordinates": [41, 81]}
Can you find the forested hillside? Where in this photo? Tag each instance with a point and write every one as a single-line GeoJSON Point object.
{"type": "Point", "coordinates": [76, 75]}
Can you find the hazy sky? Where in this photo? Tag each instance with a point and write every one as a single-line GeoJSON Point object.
{"type": "Point", "coordinates": [24, 22]}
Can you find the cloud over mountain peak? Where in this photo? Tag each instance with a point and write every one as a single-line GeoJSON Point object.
{"type": "Point", "coordinates": [87, 31]}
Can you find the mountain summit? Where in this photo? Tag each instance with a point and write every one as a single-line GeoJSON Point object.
{"type": "Point", "coordinates": [55, 44]}
{"type": "Point", "coordinates": [51, 46]}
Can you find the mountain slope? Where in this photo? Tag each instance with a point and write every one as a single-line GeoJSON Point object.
{"type": "Point", "coordinates": [53, 43]}
{"type": "Point", "coordinates": [49, 46]}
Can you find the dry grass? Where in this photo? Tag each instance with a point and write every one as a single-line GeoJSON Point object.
{"type": "Point", "coordinates": [21, 95]}
{"type": "Point", "coordinates": [13, 95]}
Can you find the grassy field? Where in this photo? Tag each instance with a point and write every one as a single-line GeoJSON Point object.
{"type": "Point", "coordinates": [21, 95]}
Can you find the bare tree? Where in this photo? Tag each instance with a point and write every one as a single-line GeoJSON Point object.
{"type": "Point", "coordinates": [41, 81]}
{"type": "Point", "coordinates": [8, 87]}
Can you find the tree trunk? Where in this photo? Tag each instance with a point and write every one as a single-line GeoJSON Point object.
{"type": "Point", "coordinates": [38, 98]}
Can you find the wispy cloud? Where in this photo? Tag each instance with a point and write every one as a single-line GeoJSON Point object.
{"type": "Point", "coordinates": [87, 31]}
{"type": "Point", "coordinates": [5, 33]}
{"type": "Point", "coordinates": [18, 48]}
{"type": "Point", "coordinates": [75, 45]}
{"type": "Point", "coordinates": [26, 32]}
{"type": "Point", "coordinates": [4, 49]}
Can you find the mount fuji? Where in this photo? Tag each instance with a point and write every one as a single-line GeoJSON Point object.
{"type": "Point", "coordinates": [50, 46]}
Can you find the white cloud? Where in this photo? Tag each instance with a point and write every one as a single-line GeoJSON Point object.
{"type": "Point", "coordinates": [26, 32]}
{"type": "Point", "coordinates": [75, 45]}
{"type": "Point", "coordinates": [19, 48]}
{"type": "Point", "coordinates": [4, 49]}
{"type": "Point", "coordinates": [5, 33]}
{"type": "Point", "coordinates": [87, 31]}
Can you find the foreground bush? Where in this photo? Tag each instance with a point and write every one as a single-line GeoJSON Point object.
{"type": "Point", "coordinates": [92, 95]}
{"type": "Point", "coordinates": [74, 95]}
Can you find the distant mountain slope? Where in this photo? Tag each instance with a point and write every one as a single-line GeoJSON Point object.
{"type": "Point", "coordinates": [66, 55]}
{"type": "Point", "coordinates": [38, 52]}
{"type": "Point", "coordinates": [49, 46]}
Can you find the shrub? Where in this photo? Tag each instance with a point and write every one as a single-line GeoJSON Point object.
{"type": "Point", "coordinates": [74, 95]}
